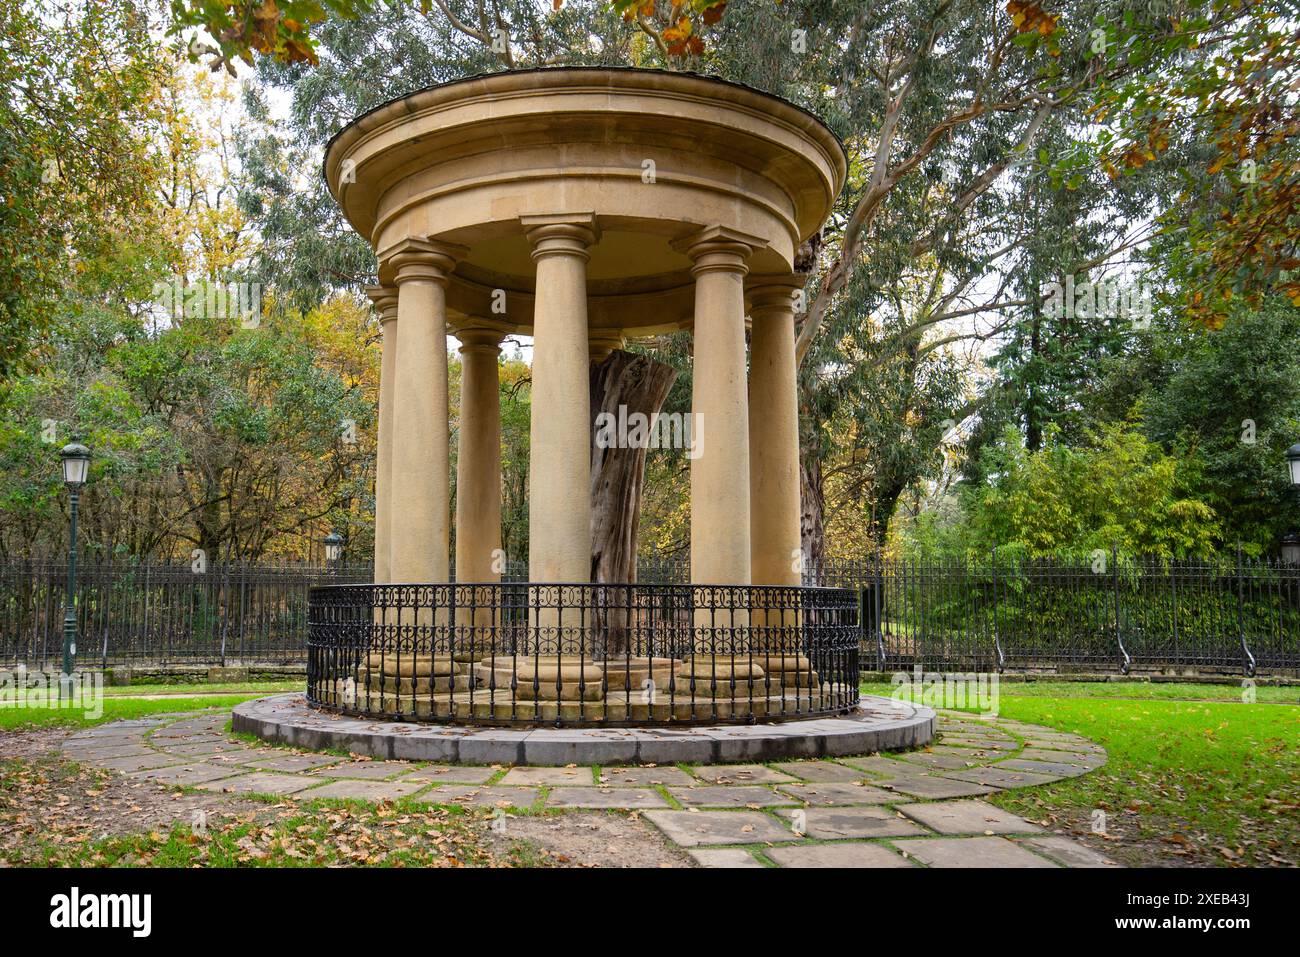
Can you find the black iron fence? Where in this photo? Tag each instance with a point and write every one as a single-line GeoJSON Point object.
{"type": "Point", "coordinates": [132, 612]}
{"type": "Point", "coordinates": [1106, 613]}
{"type": "Point", "coordinates": [583, 654]}
{"type": "Point", "coordinates": [1217, 615]}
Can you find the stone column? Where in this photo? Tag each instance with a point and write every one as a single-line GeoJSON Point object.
{"type": "Point", "coordinates": [774, 487]}
{"type": "Point", "coordinates": [420, 498]}
{"type": "Point", "coordinates": [720, 533]}
{"type": "Point", "coordinates": [478, 460]}
{"type": "Point", "coordinates": [559, 472]}
{"type": "Point", "coordinates": [385, 300]}
{"type": "Point", "coordinates": [774, 434]}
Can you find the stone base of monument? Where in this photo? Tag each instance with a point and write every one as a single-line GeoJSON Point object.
{"type": "Point", "coordinates": [875, 724]}
{"type": "Point", "coordinates": [486, 705]}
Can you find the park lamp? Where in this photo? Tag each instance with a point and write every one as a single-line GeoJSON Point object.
{"type": "Point", "coordinates": [76, 465]}
{"type": "Point", "coordinates": [1293, 463]}
{"type": "Point", "coordinates": [333, 543]}
{"type": "Point", "coordinates": [1291, 541]}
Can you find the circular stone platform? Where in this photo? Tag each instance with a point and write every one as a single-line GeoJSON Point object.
{"type": "Point", "coordinates": [878, 724]}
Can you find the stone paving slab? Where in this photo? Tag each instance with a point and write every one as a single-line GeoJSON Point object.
{"type": "Point", "coordinates": [723, 857]}
{"type": "Point", "coordinates": [97, 755]}
{"type": "Point", "coordinates": [552, 777]}
{"type": "Point", "coordinates": [985, 742]}
{"type": "Point", "coordinates": [363, 790]}
{"type": "Point", "coordinates": [204, 749]}
{"type": "Point", "coordinates": [731, 795]}
{"type": "Point", "coordinates": [451, 773]}
{"type": "Point", "coordinates": [837, 855]}
{"type": "Point", "coordinates": [822, 772]}
{"type": "Point", "coordinates": [599, 798]}
{"type": "Point", "coordinates": [187, 775]}
{"type": "Point", "coordinates": [293, 762]}
{"type": "Point", "coordinates": [967, 817]}
{"type": "Point", "coordinates": [480, 796]}
{"type": "Point", "coordinates": [835, 823]}
{"type": "Point", "coordinates": [260, 783]}
{"type": "Point", "coordinates": [946, 761]}
{"type": "Point", "coordinates": [1087, 759]}
{"type": "Point", "coordinates": [971, 852]}
{"type": "Point", "coordinates": [878, 766]}
{"type": "Point", "coordinates": [741, 774]}
{"type": "Point", "coordinates": [1001, 779]}
{"type": "Point", "coordinates": [170, 735]}
{"type": "Point", "coordinates": [1064, 743]}
{"type": "Point", "coordinates": [837, 793]}
{"type": "Point", "coordinates": [935, 788]}
{"type": "Point", "coordinates": [1067, 852]}
{"type": "Point", "coordinates": [696, 828]}
{"type": "Point", "coordinates": [365, 770]}
{"type": "Point", "coordinates": [141, 762]}
{"type": "Point", "coordinates": [642, 777]}
{"type": "Point", "coordinates": [1049, 768]}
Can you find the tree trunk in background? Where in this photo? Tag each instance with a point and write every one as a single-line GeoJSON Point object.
{"type": "Point", "coordinates": [812, 533]}
{"type": "Point", "coordinates": [639, 384]}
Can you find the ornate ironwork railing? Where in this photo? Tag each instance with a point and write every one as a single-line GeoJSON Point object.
{"type": "Point", "coordinates": [583, 654]}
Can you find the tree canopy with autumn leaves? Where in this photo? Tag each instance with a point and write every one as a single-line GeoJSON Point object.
{"type": "Point", "coordinates": [994, 150]}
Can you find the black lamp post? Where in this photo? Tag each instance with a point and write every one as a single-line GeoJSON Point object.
{"type": "Point", "coordinates": [1291, 541]}
{"type": "Point", "coordinates": [333, 543]}
{"type": "Point", "coordinates": [76, 464]}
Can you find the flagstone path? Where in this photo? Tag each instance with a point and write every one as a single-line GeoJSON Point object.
{"type": "Point", "coordinates": [906, 809]}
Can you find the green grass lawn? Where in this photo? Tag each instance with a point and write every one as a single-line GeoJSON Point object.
{"type": "Point", "coordinates": [239, 687]}
{"type": "Point", "coordinates": [1191, 782]}
{"type": "Point", "coordinates": [1145, 691]}
{"type": "Point", "coordinates": [114, 709]}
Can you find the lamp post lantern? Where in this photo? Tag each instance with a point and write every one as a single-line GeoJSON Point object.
{"type": "Point", "coordinates": [333, 543]}
{"type": "Point", "coordinates": [76, 465]}
{"type": "Point", "coordinates": [1291, 540]}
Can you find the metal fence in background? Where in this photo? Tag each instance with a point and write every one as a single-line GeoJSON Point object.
{"type": "Point", "coordinates": [1222, 615]}
{"type": "Point", "coordinates": [165, 614]}
{"type": "Point", "coordinates": [1225, 615]}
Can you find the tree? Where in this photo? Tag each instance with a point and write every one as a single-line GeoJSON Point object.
{"type": "Point", "coordinates": [1119, 491]}
{"type": "Point", "coordinates": [76, 158]}
{"type": "Point", "coordinates": [1214, 83]}
{"type": "Point", "coordinates": [939, 104]}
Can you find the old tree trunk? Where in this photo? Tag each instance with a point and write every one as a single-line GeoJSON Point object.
{"type": "Point", "coordinates": [637, 383]}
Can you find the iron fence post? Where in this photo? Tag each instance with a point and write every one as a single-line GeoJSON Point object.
{"type": "Point", "coordinates": [1125, 661]}
{"type": "Point", "coordinates": [1248, 659]}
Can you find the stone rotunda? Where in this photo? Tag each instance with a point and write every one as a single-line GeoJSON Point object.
{"type": "Point", "coordinates": [583, 207]}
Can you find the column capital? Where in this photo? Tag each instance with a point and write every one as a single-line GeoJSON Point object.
{"type": "Point", "coordinates": [719, 249]}
{"type": "Point", "coordinates": [773, 294]}
{"type": "Point", "coordinates": [479, 340]}
{"type": "Point", "coordinates": [385, 301]}
{"type": "Point", "coordinates": [421, 259]}
{"type": "Point", "coordinates": [561, 234]}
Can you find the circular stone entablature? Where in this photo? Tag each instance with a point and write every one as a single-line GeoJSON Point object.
{"type": "Point", "coordinates": [653, 156]}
